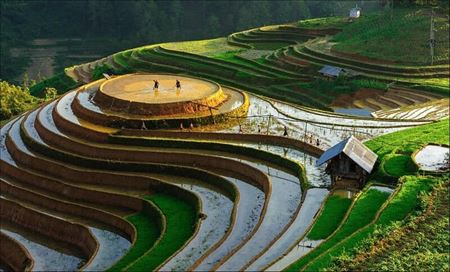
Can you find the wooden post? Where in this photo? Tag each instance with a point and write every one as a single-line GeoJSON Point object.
{"type": "Point", "coordinates": [306, 128]}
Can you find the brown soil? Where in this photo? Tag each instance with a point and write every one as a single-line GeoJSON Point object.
{"type": "Point", "coordinates": [346, 100]}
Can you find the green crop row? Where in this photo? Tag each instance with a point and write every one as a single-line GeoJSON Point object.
{"type": "Point", "coordinates": [181, 219]}
{"type": "Point", "coordinates": [363, 212]}
{"type": "Point", "coordinates": [148, 231]}
{"type": "Point", "coordinates": [331, 216]}
{"type": "Point", "coordinates": [405, 202]}
{"type": "Point", "coordinates": [61, 82]}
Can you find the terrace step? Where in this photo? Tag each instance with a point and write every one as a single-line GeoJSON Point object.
{"type": "Point", "coordinates": [364, 104]}
{"type": "Point", "coordinates": [75, 210]}
{"type": "Point", "coordinates": [363, 70]}
{"type": "Point", "coordinates": [73, 238]}
{"type": "Point", "coordinates": [394, 69]}
{"type": "Point", "coordinates": [191, 155]}
{"type": "Point", "coordinates": [14, 255]}
{"type": "Point", "coordinates": [398, 98]}
{"type": "Point", "coordinates": [389, 102]}
{"type": "Point", "coordinates": [240, 184]}
{"type": "Point", "coordinates": [378, 103]}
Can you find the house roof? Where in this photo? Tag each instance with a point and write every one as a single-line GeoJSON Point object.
{"type": "Point", "coordinates": [355, 150]}
{"type": "Point", "coordinates": [331, 70]}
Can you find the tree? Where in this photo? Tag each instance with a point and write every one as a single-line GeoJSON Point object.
{"type": "Point", "coordinates": [14, 100]}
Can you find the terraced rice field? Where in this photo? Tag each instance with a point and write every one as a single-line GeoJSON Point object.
{"type": "Point", "coordinates": [207, 198]}
{"type": "Point", "coordinates": [128, 180]}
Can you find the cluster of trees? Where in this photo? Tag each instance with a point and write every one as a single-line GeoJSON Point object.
{"type": "Point", "coordinates": [122, 24]}
{"type": "Point", "coordinates": [136, 22]}
{"type": "Point", "coordinates": [16, 99]}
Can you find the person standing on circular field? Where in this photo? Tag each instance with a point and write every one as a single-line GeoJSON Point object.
{"type": "Point", "coordinates": [178, 85]}
{"type": "Point", "coordinates": [155, 85]}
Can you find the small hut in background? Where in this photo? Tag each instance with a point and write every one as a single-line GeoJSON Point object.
{"type": "Point", "coordinates": [355, 13]}
{"type": "Point", "coordinates": [332, 72]}
{"type": "Point", "coordinates": [349, 163]}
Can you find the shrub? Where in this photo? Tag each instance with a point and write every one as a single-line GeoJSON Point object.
{"type": "Point", "coordinates": [50, 93]}
{"type": "Point", "coordinates": [14, 100]}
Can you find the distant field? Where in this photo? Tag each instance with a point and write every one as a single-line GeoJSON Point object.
{"type": "Point", "coordinates": [203, 47]}
{"type": "Point", "coordinates": [326, 22]}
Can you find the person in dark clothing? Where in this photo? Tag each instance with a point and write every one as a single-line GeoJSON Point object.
{"type": "Point", "coordinates": [285, 131]}
{"type": "Point", "coordinates": [317, 142]}
{"type": "Point", "coordinates": [178, 84]}
{"type": "Point", "coordinates": [155, 85]}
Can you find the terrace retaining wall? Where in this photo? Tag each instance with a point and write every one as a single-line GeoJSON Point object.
{"type": "Point", "coordinates": [14, 255]}
{"type": "Point", "coordinates": [74, 234]}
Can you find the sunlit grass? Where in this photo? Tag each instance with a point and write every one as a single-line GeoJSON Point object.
{"type": "Point", "coordinates": [403, 204]}
{"type": "Point", "coordinates": [362, 214]}
{"type": "Point", "coordinates": [381, 36]}
{"type": "Point", "coordinates": [203, 47]}
{"type": "Point", "coordinates": [326, 22]}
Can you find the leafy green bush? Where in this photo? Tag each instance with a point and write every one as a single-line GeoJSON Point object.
{"type": "Point", "coordinates": [15, 100]}
{"type": "Point", "coordinates": [50, 93]}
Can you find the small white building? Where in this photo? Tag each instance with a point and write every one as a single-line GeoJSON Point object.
{"type": "Point", "coordinates": [355, 13]}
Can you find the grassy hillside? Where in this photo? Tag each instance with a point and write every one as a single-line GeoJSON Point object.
{"type": "Point", "coordinates": [411, 231]}
{"type": "Point", "coordinates": [421, 242]}
{"type": "Point", "coordinates": [385, 37]}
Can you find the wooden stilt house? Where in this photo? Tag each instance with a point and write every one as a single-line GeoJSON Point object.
{"type": "Point", "coordinates": [349, 163]}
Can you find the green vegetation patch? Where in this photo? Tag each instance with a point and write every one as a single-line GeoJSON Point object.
{"type": "Point", "coordinates": [180, 220]}
{"type": "Point", "coordinates": [15, 100]}
{"type": "Point", "coordinates": [404, 203]}
{"type": "Point", "coordinates": [203, 47]}
{"type": "Point", "coordinates": [409, 140]}
{"type": "Point", "coordinates": [399, 165]}
{"type": "Point", "coordinates": [147, 231]}
{"type": "Point", "coordinates": [382, 36]}
{"type": "Point", "coordinates": [362, 214]}
{"type": "Point", "coordinates": [325, 22]}
{"type": "Point", "coordinates": [405, 142]}
{"type": "Point", "coordinates": [422, 242]}
{"type": "Point", "coordinates": [369, 84]}
{"type": "Point", "coordinates": [333, 212]}
{"type": "Point", "coordinates": [61, 82]}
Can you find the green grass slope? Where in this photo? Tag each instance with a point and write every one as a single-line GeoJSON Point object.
{"type": "Point", "coordinates": [421, 242]}
{"type": "Point", "coordinates": [385, 37]}
{"type": "Point", "coordinates": [364, 229]}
